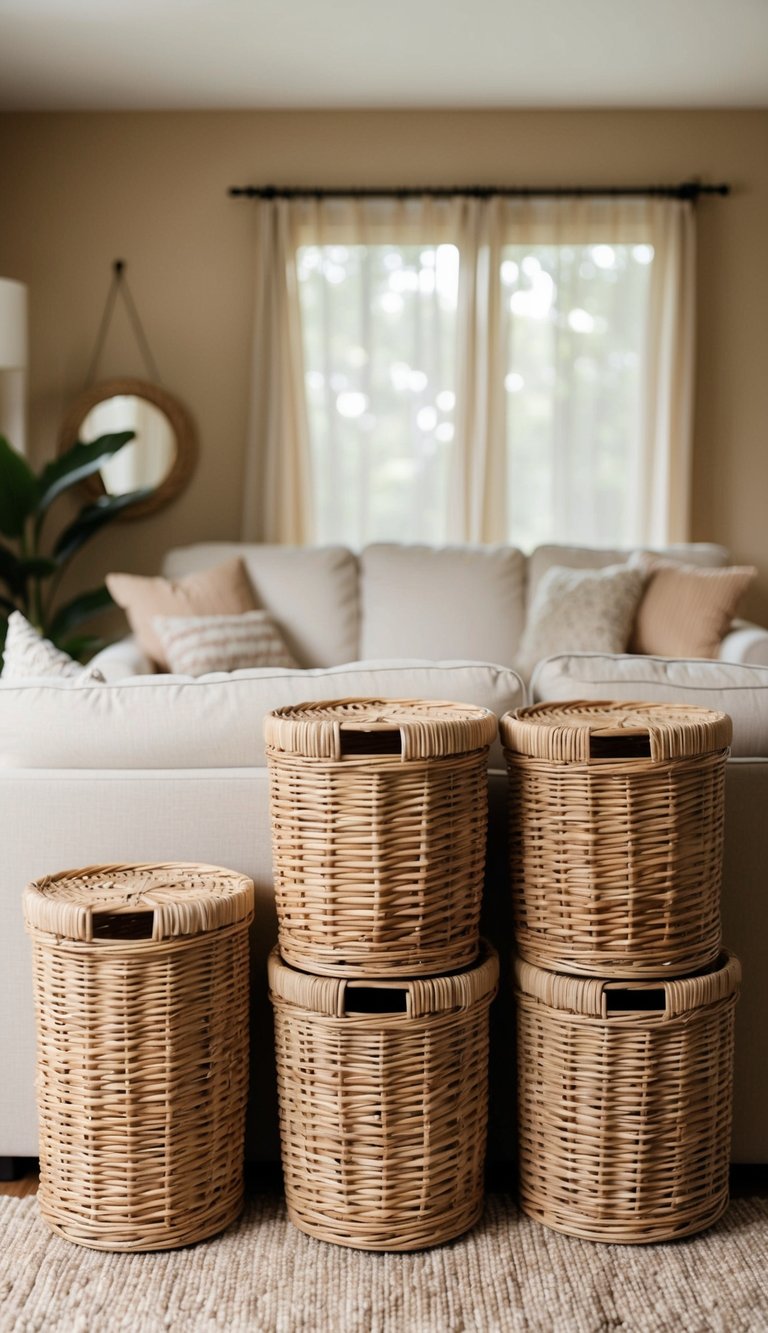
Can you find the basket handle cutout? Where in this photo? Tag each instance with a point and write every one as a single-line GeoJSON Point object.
{"type": "Point", "coordinates": [118, 925]}
{"type": "Point", "coordinates": [384, 741]}
{"type": "Point", "coordinates": [653, 1000]}
{"type": "Point", "coordinates": [375, 1000]}
{"type": "Point", "coordinates": [620, 744]}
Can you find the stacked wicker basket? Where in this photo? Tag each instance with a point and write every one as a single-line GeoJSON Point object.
{"type": "Point", "coordinates": [625, 998]}
{"type": "Point", "coordinates": [380, 983]}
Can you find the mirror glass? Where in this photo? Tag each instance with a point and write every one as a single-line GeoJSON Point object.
{"type": "Point", "coordinates": [160, 459]}
{"type": "Point", "coordinates": [148, 459]}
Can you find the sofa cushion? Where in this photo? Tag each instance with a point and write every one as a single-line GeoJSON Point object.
{"type": "Point", "coordinates": [216, 721]}
{"type": "Point", "coordinates": [311, 591]}
{"type": "Point", "coordinates": [730, 687]}
{"type": "Point", "coordinates": [224, 589]}
{"type": "Point", "coordinates": [442, 602]}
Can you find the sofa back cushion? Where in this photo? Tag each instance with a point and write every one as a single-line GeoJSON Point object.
{"type": "Point", "coordinates": [442, 601]}
{"type": "Point", "coordinates": [729, 687]}
{"type": "Point", "coordinates": [309, 591]}
{"type": "Point", "coordinates": [597, 557]}
{"type": "Point", "coordinates": [176, 722]}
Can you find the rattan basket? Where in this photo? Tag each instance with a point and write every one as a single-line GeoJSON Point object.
{"type": "Point", "coordinates": [141, 996]}
{"type": "Point", "coordinates": [379, 811]}
{"type": "Point", "coordinates": [383, 1103]}
{"type": "Point", "coordinates": [616, 835]}
{"type": "Point", "coordinates": [625, 1102]}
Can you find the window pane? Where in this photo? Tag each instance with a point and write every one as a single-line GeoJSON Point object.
{"type": "Point", "coordinates": [379, 326]}
{"type": "Point", "coordinates": [575, 320]}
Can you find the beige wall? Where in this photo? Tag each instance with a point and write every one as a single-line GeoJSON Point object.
{"type": "Point", "coordinates": [80, 190]}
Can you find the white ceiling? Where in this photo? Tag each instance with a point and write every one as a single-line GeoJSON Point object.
{"type": "Point", "coordinates": [237, 54]}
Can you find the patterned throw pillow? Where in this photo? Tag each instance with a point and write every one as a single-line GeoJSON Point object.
{"type": "Point", "coordinates": [198, 645]}
{"type": "Point", "coordinates": [27, 656]}
{"type": "Point", "coordinates": [580, 610]}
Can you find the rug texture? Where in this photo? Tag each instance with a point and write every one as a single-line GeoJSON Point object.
{"type": "Point", "coordinates": [507, 1274]}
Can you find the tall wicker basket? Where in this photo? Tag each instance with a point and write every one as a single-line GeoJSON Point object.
{"type": "Point", "coordinates": [379, 811]}
{"type": "Point", "coordinates": [616, 835]}
{"type": "Point", "coordinates": [141, 993]}
{"type": "Point", "coordinates": [383, 1103]}
{"type": "Point", "coordinates": [625, 1102]}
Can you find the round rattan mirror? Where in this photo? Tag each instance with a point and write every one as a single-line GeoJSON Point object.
{"type": "Point", "coordinates": [162, 455]}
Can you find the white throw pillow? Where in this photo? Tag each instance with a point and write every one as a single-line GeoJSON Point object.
{"type": "Point", "coordinates": [580, 609]}
{"type": "Point", "coordinates": [200, 645]}
{"type": "Point", "coordinates": [27, 655]}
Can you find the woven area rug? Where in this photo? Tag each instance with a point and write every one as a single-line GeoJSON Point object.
{"type": "Point", "coordinates": [507, 1274]}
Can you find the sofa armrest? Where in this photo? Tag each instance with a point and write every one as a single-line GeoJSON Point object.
{"type": "Point", "coordinates": [745, 643]}
{"type": "Point", "coordinates": [122, 659]}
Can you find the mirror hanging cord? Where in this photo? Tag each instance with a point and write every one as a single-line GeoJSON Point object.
{"type": "Point", "coordinates": [119, 285]}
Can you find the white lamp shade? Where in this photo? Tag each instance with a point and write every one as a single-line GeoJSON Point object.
{"type": "Point", "coordinates": [13, 325]}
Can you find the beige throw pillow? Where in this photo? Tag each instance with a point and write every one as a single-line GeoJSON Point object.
{"type": "Point", "coordinates": [223, 590]}
{"type": "Point", "coordinates": [589, 610]}
{"type": "Point", "coordinates": [686, 610]}
{"type": "Point", "coordinates": [198, 645]}
{"type": "Point", "coordinates": [27, 656]}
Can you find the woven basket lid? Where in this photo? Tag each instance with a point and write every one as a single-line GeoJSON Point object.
{"type": "Point", "coordinates": [426, 995]}
{"type": "Point", "coordinates": [579, 730]}
{"type": "Point", "coordinates": [428, 728]}
{"type": "Point", "coordinates": [184, 898]}
{"type": "Point", "coordinates": [589, 996]}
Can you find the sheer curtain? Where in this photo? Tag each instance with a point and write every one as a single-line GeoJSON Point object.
{"type": "Point", "coordinates": [472, 369]}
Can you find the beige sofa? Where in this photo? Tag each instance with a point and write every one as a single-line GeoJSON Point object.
{"type": "Point", "coordinates": [169, 768]}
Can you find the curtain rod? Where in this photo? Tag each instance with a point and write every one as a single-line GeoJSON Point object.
{"type": "Point", "coordinates": [685, 190]}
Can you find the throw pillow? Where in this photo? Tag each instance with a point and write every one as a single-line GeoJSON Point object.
{"type": "Point", "coordinates": [686, 610]}
{"type": "Point", "coordinates": [223, 590]}
{"type": "Point", "coordinates": [28, 655]}
{"type": "Point", "coordinates": [198, 645]}
{"type": "Point", "coordinates": [580, 609]}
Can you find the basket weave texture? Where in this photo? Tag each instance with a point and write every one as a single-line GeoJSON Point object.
{"type": "Point", "coordinates": [383, 1114]}
{"type": "Point", "coordinates": [379, 814]}
{"type": "Point", "coordinates": [141, 996]}
{"type": "Point", "coordinates": [616, 835]}
{"type": "Point", "coordinates": [624, 1111]}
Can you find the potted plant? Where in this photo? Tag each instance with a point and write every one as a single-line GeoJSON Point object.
{"type": "Point", "coordinates": [32, 561]}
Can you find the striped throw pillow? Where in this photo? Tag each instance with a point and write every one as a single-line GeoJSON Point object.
{"type": "Point", "coordinates": [198, 645]}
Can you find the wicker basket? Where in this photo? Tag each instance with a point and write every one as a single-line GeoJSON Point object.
{"type": "Point", "coordinates": [625, 1102]}
{"type": "Point", "coordinates": [383, 1103]}
{"type": "Point", "coordinates": [379, 812]}
{"type": "Point", "coordinates": [616, 835]}
{"type": "Point", "coordinates": [141, 994]}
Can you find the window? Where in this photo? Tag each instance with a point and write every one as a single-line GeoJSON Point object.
{"type": "Point", "coordinates": [489, 370]}
{"type": "Point", "coordinates": [379, 332]}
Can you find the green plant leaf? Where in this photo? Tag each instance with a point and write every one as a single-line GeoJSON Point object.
{"type": "Point", "coordinates": [91, 519]}
{"type": "Point", "coordinates": [11, 571]}
{"type": "Point", "coordinates": [80, 608]}
{"type": "Point", "coordinates": [18, 490]}
{"type": "Point", "coordinates": [76, 464]}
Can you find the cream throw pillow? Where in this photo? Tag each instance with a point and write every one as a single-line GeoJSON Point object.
{"type": "Point", "coordinates": [198, 645]}
{"type": "Point", "coordinates": [686, 610]}
{"type": "Point", "coordinates": [27, 655]}
{"type": "Point", "coordinates": [573, 610]}
{"type": "Point", "coordinates": [223, 590]}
